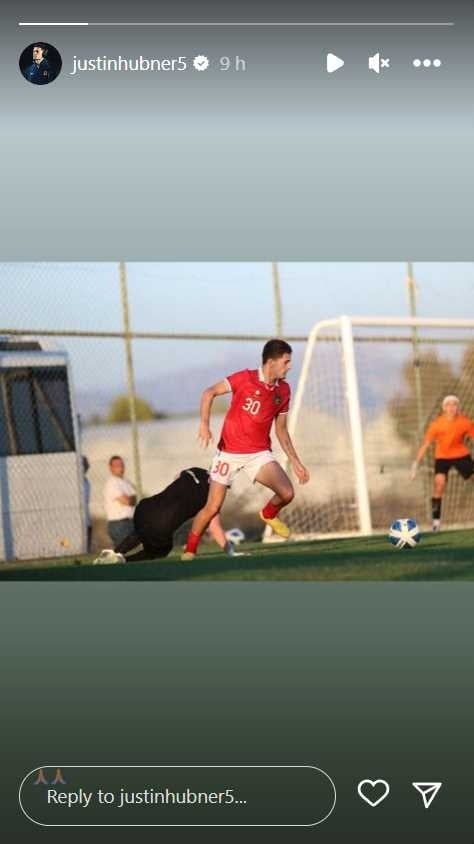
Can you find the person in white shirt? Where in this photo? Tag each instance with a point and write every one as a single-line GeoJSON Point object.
{"type": "Point", "coordinates": [119, 501]}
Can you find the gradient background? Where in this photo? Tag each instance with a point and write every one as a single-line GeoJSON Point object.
{"type": "Point", "coordinates": [363, 680]}
{"type": "Point", "coordinates": [219, 165]}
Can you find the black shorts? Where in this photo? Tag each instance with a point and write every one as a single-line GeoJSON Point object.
{"type": "Point", "coordinates": [464, 465]}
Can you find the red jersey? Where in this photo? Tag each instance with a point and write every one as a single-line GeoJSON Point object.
{"type": "Point", "coordinates": [254, 406]}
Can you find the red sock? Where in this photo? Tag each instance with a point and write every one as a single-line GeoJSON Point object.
{"type": "Point", "coordinates": [271, 510]}
{"type": "Point", "coordinates": [193, 542]}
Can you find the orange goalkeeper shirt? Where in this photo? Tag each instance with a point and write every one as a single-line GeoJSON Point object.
{"type": "Point", "coordinates": [449, 436]}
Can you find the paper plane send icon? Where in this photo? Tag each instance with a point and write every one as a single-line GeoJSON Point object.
{"type": "Point", "coordinates": [333, 62]}
{"type": "Point", "coordinates": [428, 791]}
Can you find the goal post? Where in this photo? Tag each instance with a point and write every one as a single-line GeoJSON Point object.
{"type": "Point", "coordinates": [355, 424]}
{"type": "Point", "coordinates": [363, 388]}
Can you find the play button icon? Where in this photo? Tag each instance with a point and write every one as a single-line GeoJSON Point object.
{"type": "Point", "coordinates": [333, 62]}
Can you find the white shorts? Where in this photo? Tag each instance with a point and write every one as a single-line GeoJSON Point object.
{"type": "Point", "coordinates": [225, 466]}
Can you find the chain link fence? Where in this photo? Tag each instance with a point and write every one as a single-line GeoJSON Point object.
{"type": "Point", "coordinates": [139, 344]}
{"type": "Point", "coordinates": [130, 393]}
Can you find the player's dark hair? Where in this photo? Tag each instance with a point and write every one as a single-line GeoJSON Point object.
{"type": "Point", "coordinates": [42, 47]}
{"type": "Point", "coordinates": [115, 457]}
{"type": "Point", "coordinates": [274, 349]}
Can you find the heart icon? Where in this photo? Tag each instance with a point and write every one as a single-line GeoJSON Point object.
{"type": "Point", "coordinates": [373, 791]}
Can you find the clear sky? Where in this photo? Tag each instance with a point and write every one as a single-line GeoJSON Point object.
{"type": "Point", "coordinates": [213, 297]}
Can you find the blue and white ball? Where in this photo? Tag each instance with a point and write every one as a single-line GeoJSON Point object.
{"type": "Point", "coordinates": [235, 535]}
{"type": "Point", "coordinates": [404, 533]}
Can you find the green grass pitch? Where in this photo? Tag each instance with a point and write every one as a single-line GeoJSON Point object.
{"type": "Point", "coordinates": [447, 556]}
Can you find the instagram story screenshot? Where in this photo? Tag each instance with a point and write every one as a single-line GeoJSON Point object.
{"type": "Point", "coordinates": [237, 421]}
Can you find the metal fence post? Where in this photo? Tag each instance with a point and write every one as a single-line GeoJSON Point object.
{"type": "Point", "coordinates": [277, 300]}
{"type": "Point", "coordinates": [130, 379]}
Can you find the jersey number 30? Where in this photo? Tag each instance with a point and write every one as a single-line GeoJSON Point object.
{"type": "Point", "coordinates": [251, 406]}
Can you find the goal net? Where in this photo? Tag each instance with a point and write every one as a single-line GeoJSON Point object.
{"type": "Point", "coordinates": [367, 390]}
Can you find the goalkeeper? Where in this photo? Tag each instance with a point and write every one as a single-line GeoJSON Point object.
{"type": "Point", "coordinates": [156, 518]}
{"type": "Point", "coordinates": [449, 433]}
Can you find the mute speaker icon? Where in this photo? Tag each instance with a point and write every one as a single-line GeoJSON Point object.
{"type": "Point", "coordinates": [376, 62]}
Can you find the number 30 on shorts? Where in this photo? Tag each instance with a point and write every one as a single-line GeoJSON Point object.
{"type": "Point", "coordinates": [221, 468]}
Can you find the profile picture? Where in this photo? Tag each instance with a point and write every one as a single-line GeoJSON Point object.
{"type": "Point", "coordinates": [40, 63]}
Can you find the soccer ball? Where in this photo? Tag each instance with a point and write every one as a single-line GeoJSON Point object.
{"type": "Point", "coordinates": [235, 535]}
{"type": "Point", "coordinates": [108, 557]}
{"type": "Point", "coordinates": [404, 533]}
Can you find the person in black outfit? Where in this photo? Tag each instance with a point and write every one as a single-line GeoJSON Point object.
{"type": "Point", "coordinates": [156, 518]}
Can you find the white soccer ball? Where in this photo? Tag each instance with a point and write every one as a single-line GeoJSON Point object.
{"type": "Point", "coordinates": [404, 533]}
{"type": "Point", "coordinates": [235, 535]}
{"type": "Point", "coordinates": [108, 557]}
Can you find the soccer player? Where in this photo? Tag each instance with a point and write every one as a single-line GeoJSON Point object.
{"type": "Point", "coordinates": [259, 397]}
{"type": "Point", "coordinates": [157, 517]}
{"type": "Point", "coordinates": [449, 432]}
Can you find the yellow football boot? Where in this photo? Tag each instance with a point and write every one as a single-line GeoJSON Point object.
{"type": "Point", "coordinates": [276, 525]}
